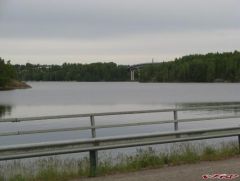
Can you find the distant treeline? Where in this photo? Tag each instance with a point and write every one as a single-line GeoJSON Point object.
{"type": "Point", "coordinates": [212, 67]}
{"type": "Point", "coordinates": [73, 72]}
{"type": "Point", "coordinates": [7, 73]}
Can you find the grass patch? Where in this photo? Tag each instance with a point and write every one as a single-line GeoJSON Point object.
{"type": "Point", "coordinates": [225, 151]}
{"type": "Point", "coordinates": [54, 169]}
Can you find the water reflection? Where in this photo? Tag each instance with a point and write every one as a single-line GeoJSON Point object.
{"type": "Point", "coordinates": [219, 106]}
{"type": "Point", "coordinates": [5, 110]}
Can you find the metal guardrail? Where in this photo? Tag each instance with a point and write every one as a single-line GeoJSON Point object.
{"type": "Point", "coordinates": [95, 144]}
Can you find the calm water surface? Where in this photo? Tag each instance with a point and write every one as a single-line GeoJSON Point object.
{"type": "Point", "coordinates": [56, 98]}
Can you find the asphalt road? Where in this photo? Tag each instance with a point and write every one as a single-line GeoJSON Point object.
{"type": "Point", "coordinates": [190, 172]}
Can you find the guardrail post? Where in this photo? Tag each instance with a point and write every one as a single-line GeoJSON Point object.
{"type": "Point", "coordinates": [175, 120]}
{"type": "Point", "coordinates": [235, 110]}
{"type": "Point", "coordinates": [93, 129]}
{"type": "Point", "coordinates": [175, 115]}
{"type": "Point", "coordinates": [93, 154]}
{"type": "Point", "coordinates": [239, 143]}
{"type": "Point", "coordinates": [93, 163]}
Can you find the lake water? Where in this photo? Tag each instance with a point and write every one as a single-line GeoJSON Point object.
{"type": "Point", "coordinates": [57, 98]}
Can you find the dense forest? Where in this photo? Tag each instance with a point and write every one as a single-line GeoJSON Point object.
{"type": "Point", "coordinates": [212, 67]}
{"type": "Point", "coordinates": [7, 73]}
{"type": "Point", "coordinates": [73, 72]}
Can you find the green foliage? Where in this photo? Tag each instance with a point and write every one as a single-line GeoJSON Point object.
{"type": "Point", "coordinates": [62, 170]}
{"type": "Point", "coordinates": [5, 109]}
{"type": "Point", "coordinates": [1, 178]}
{"type": "Point", "coordinates": [7, 72]}
{"type": "Point", "coordinates": [226, 151]}
{"type": "Point", "coordinates": [211, 67]}
{"type": "Point", "coordinates": [73, 72]}
{"type": "Point", "coordinates": [184, 154]}
{"type": "Point", "coordinates": [143, 159]}
{"type": "Point", "coordinates": [209, 153]}
{"type": "Point", "coordinates": [18, 178]}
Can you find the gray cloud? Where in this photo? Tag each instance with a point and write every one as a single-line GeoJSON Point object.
{"type": "Point", "coordinates": [54, 30]}
{"type": "Point", "coordinates": [106, 18]}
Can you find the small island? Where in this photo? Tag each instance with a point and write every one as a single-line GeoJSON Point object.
{"type": "Point", "coordinates": [15, 84]}
{"type": "Point", "coordinates": [8, 80]}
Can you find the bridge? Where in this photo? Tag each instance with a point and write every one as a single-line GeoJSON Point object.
{"type": "Point", "coordinates": [137, 67]}
{"type": "Point", "coordinates": [94, 144]}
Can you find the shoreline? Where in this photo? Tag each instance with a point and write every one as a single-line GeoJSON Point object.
{"type": "Point", "coordinates": [15, 84]}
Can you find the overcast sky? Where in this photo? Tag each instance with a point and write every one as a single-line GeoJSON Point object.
{"type": "Point", "coordinates": [123, 31]}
